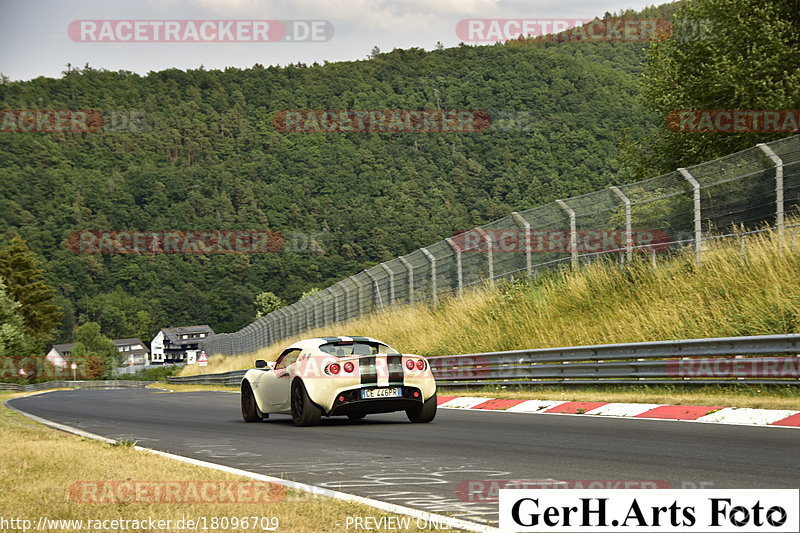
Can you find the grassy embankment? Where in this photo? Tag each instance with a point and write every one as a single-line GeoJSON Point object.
{"type": "Point", "coordinates": [601, 303]}
{"type": "Point", "coordinates": [41, 464]}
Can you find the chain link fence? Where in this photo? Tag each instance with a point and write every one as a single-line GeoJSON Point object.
{"type": "Point", "coordinates": [727, 197]}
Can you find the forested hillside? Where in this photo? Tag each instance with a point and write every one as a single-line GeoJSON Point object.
{"type": "Point", "coordinates": [209, 157]}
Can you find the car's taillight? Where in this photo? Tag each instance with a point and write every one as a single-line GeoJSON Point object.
{"type": "Point", "coordinates": [349, 367]}
{"type": "Point", "coordinates": [333, 368]}
{"type": "Point", "coordinates": [420, 365]}
{"type": "Point", "coordinates": [410, 364]}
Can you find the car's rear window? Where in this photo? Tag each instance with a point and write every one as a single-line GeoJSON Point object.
{"type": "Point", "coordinates": [342, 349]}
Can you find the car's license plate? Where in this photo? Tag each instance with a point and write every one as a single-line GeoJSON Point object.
{"type": "Point", "coordinates": [391, 392]}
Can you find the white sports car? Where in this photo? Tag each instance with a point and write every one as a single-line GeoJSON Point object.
{"type": "Point", "coordinates": [352, 376]}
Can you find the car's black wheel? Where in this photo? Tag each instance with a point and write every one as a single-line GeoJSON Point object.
{"type": "Point", "coordinates": [423, 413]}
{"type": "Point", "coordinates": [356, 416]}
{"type": "Point", "coordinates": [249, 409]}
{"type": "Point", "coordinates": [304, 411]}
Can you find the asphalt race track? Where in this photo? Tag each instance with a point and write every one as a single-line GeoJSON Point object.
{"type": "Point", "coordinates": [420, 465]}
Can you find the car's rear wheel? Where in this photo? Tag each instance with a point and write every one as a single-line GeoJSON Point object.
{"type": "Point", "coordinates": [304, 411]}
{"type": "Point", "coordinates": [249, 409]}
{"type": "Point", "coordinates": [423, 413]}
{"type": "Point", "coordinates": [356, 416]}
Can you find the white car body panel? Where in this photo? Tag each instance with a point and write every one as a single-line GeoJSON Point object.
{"type": "Point", "coordinates": [271, 386]}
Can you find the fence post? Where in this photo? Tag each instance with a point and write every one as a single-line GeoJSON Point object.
{"type": "Point", "coordinates": [270, 327]}
{"type": "Point", "coordinates": [389, 273]}
{"type": "Point", "coordinates": [526, 227]}
{"type": "Point", "coordinates": [376, 290]}
{"type": "Point", "coordinates": [359, 294]}
{"type": "Point", "coordinates": [628, 223]}
{"type": "Point", "coordinates": [489, 251]}
{"type": "Point", "coordinates": [698, 221]}
{"type": "Point", "coordinates": [432, 260]}
{"type": "Point", "coordinates": [459, 272]}
{"type": "Point", "coordinates": [779, 221]}
{"type": "Point", "coordinates": [283, 330]}
{"type": "Point", "coordinates": [308, 310]}
{"type": "Point", "coordinates": [337, 316]}
{"type": "Point", "coordinates": [410, 274]}
{"type": "Point", "coordinates": [573, 234]}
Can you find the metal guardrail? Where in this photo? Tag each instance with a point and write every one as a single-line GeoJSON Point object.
{"type": "Point", "coordinates": [224, 378]}
{"type": "Point", "coordinates": [62, 384]}
{"type": "Point", "coordinates": [766, 359]}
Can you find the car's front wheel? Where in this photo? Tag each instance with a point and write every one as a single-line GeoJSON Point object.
{"type": "Point", "coordinates": [423, 413]}
{"type": "Point", "coordinates": [249, 409]}
{"type": "Point", "coordinates": [304, 411]}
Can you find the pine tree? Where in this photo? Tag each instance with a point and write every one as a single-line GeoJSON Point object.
{"type": "Point", "coordinates": [19, 269]}
{"type": "Point", "coordinates": [14, 342]}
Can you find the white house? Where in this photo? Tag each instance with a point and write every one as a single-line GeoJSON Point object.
{"type": "Point", "coordinates": [177, 345]}
{"type": "Point", "coordinates": [133, 352]}
{"type": "Point", "coordinates": [58, 354]}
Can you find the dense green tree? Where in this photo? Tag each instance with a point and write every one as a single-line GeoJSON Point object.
{"type": "Point", "coordinates": [736, 55]}
{"type": "Point", "coordinates": [14, 341]}
{"type": "Point", "coordinates": [19, 269]}
{"type": "Point", "coordinates": [200, 150]}
{"type": "Point", "coordinates": [92, 346]}
{"type": "Point", "coordinates": [267, 302]}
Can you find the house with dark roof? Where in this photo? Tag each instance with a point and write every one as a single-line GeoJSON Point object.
{"type": "Point", "coordinates": [177, 345]}
{"type": "Point", "coordinates": [132, 352]}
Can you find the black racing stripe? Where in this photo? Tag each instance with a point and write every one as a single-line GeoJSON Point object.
{"type": "Point", "coordinates": [331, 339]}
{"type": "Point", "coordinates": [360, 339]}
{"type": "Point", "coordinates": [395, 369]}
{"type": "Point", "coordinates": [369, 374]}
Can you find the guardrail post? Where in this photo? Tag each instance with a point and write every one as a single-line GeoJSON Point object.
{"type": "Point", "coordinates": [779, 213]}
{"type": "Point", "coordinates": [432, 260]}
{"type": "Point", "coordinates": [376, 290]}
{"type": "Point", "coordinates": [698, 221]}
{"type": "Point", "coordinates": [410, 274]}
{"type": "Point", "coordinates": [526, 227]}
{"type": "Point", "coordinates": [628, 223]}
{"type": "Point", "coordinates": [459, 272]}
{"type": "Point", "coordinates": [573, 233]}
{"type": "Point", "coordinates": [389, 273]}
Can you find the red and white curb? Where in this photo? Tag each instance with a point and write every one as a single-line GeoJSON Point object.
{"type": "Point", "coordinates": [692, 413]}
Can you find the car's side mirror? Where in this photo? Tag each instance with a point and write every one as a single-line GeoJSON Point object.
{"type": "Point", "coordinates": [260, 363]}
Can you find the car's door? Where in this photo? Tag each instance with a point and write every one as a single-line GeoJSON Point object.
{"type": "Point", "coordinates": [280, 384]}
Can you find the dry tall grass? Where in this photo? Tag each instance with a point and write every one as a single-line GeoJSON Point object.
{"type": "Point", "coordinates": [595, 304]}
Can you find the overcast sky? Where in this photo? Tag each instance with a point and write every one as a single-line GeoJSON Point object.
{"type": "Point", "coordinates": [34, 38]}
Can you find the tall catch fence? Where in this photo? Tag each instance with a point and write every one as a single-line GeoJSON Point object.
{"type": "Point", "coordinates": [724, 198]}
